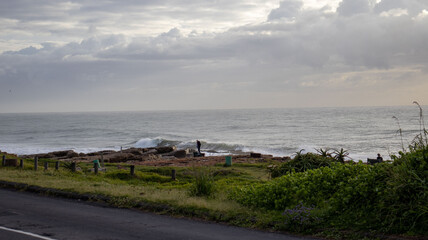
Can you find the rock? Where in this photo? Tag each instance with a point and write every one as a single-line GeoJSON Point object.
{"type": "Point", "coordinates": [176, 153]}
{"type": "Point", "coordinates": [146, 149]}
{"type": "Point", "coordinates": [196, 154]}
{"type": "Point", "coordinates": [60, 153]}
{"type": "Point", "coordinates": [150, 157]}
{"type": "Point", "coordinates": [168, 157]}
{"type": "Point", "coordinates": [118, 157]}
{"type": "Point", "coordinates": [180, 154]}
{"type": "Point", "coordinates": [255, 155]}
{"type": "Point", "coordinates": [135, 151]}
{"type": "Point", "coordinates": [43, 155]}
{"type": "Point", "coordinates": [162, 150]}
{"type": "Point", "coordinates": [105, 152]}
{"type": "Point", "coordinates": [72, 154]}
{"type": "Point", "coordinates": [190, 150]}
{"type": "Point", "coordinates": [150, 152]}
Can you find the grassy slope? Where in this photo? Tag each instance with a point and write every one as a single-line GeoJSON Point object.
{"type": "Point", "coordinates": [154, 185]}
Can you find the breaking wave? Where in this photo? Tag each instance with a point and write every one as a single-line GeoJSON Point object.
{"type": "Point", "coordinates": [211, 148]}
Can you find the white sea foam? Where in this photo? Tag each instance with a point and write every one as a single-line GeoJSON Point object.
{"type": "Point", "coordinates": [266, 151]}
{"type": "Point", "coordinates": [26, 150]}
{"type": "Point", "coordinates": [148, 142]}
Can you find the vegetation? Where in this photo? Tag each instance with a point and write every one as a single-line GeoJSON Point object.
{"type": "Point", "coordinates": [306, 161]}
{"type": "Point", "coordinates": [319, 194]}
{"type": "Point", "coordinates": [203, 184]}
{"type": "Point", "coordinates": [323, 192]}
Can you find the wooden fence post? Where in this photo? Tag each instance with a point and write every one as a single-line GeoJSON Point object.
{"type": "Point", "coordinates": [102, 159]}
{"type": "Point", "coordinates": [173, 174]}
{"type": "Point", "coordinates": [21, 163]}
{"type": "Point", "coordinates": [36, 162]}
{"type": "Point", "coordinates": [46, 164]}
{"type": "Point", "coordinates": [73, 166]}
{"type": "Point", "coordinates": [95, 167]}
{"type": "Point", "coordinates": [57, 165]}
{"type": "Point", "coordinates": [132, 170]}
{"type": "Point", "coordinates": [3, 162]}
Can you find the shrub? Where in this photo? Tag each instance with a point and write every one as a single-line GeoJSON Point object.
{"type": "Point", "coordinates": [312, 187]}
{"type": "Point", "coordinates": [300, 163]}
{"type": "Point", "coordinates": [406, 200]}
{"type": "Point", "coordinates": [386, 197]}
{"type": "Point", "coordinates": [300, 218]}
{"type": "Point", "coordinates": [203, 184]}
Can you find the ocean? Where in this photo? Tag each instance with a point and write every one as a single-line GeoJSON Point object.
{"type": "Point", "coordinates": [362, 131]}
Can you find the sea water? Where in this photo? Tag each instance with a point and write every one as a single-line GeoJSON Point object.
{"type": "Point", "coordinates": [362, 131]}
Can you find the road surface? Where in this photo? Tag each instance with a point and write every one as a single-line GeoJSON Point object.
{"type": "Point", "coordinates": [29, 216]}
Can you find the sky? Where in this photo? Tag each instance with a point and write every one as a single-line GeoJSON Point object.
{"type": "Point", "coordinates": [128, 55]}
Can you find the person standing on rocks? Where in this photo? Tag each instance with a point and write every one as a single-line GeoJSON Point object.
{"type": "Point", "coordinates": [379, 158]}
{"type": "Point", "coordinates": [198, 145]}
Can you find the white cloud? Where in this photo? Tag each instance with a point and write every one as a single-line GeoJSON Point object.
{"type": "Point", "coordinates": [157, 55]}
{"type": "Point", "coordinates": [423, 15]}
{"type": "Point", "coordinates": [396, 12]}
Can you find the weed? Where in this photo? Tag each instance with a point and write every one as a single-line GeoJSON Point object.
{"type": "Point", "coordinates": [203, 184]}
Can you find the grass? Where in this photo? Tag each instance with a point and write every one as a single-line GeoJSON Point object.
{"type": "Point", "coordinates": [153, 186]}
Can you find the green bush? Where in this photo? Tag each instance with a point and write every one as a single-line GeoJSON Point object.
{"type": "Point", "coordinates": [406, 201]}
{"type": "Point", "coordinates": [386, 197]}
{"type": "Point", "coordinates": [300, 163]}
{"type": "Point", "coordinates": [203, 184]}
{"type": "Point", "coordinates": [312, 187]}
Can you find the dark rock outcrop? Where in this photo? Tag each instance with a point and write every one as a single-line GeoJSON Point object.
{"type": "Point", "coordinates": [180, 153]}
{"type": "Point", "coordinates": [135, 151]}
{"type": "Point", "coordinates": [255, 155]}
{"type": "Point", "coordinates": [120, 157]}
{"type": "Point", "coordinates": [162, 150]}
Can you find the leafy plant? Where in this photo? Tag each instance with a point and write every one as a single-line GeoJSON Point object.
{"type": "Point", "coordinates": [406, 200]}
{"type": "Point", "coordinates": [324, 153]}
{"type": "Point", "coordinates": [203, 184]}
{"type": "Point", "coordinates": [300, 163]}
{"type": "Point", "coordinates": [341, 155]}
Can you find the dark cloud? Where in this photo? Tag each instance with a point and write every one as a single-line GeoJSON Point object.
{"type": "Point", "coordinates": [352, 7]}
{"type": "Point", "coordinates": [356, 48]}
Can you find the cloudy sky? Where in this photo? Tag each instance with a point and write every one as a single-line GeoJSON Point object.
{"type": "Point", "coordinates": [194, 54]}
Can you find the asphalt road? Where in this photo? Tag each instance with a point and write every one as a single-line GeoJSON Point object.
{"type": "Point", "coordinates": [57, 218]}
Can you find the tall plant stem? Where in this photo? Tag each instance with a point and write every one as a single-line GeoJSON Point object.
{"type": "Point", "coordinates": [422, 124]}
{"type": "Point", "coordinates": [401, 133]}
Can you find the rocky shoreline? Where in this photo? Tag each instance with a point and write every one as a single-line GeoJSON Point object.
{"type": "Point", "coordinates": [156, 156]}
